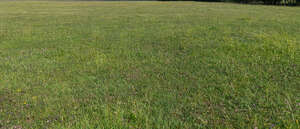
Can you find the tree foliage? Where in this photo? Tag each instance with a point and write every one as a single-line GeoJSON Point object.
{"type": "Point", "coordinates": [266, 2]}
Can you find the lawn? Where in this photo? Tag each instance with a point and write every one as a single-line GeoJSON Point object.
{"type": "Point", "coordinates": [149, 65]}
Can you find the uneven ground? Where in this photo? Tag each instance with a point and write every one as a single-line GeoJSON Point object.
{"type": "Point", "coordinates": [149, 65]}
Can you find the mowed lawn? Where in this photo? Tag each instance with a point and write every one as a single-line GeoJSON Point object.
{"type": "Point", "coordinates": [149, 65]}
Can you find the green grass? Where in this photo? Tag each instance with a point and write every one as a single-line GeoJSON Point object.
{"type": "Point", "coordinates": [149, 65]}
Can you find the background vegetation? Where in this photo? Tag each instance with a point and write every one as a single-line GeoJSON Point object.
{"type": "Point", "coordinates": [149, 65]}
{"type": "Point", "coordinates": [266, 2]}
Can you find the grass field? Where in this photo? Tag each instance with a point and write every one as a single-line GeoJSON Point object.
{"type": "Point", "coordinates": [149, 65]}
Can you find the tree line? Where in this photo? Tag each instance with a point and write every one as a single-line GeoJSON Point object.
{"type": "Point", "coordinates": [271, 2]}
{"type": "Point", "coordinates": [266, 2]}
